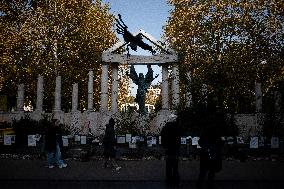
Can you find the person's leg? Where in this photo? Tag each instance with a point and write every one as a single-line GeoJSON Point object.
{"type": "Point", "coordinates": [211, 178]}
{"type": "Point", "coordinates": [50, 159]}
{"type": "Point", "coordinates": [114, 164]}
{"type": "Point", "coordinates": [169, 170]}
{"type": "Point", "coordinates": [175, 172]}
{"type": "Point", "coordinates": [106, 164]}
{"type": "Point", "coordinates": [58, 159]}
{"type": "Point", "coordinates": [202, 175]}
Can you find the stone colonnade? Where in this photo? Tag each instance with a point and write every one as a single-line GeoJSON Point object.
{"type": "Point", "coordinates": [104, 91]}
{"type": "Point", "coordinates": [114, 93]}
{"type": "Point", "coordinates": [79, 122]}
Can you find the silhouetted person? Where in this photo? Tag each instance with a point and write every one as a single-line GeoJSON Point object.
{"type": "Point", "coordinates": [109, 143]}
{"type": "Point", "coordinates": [171, 142]}
{"type": "Point", "coordinates": [53, 143]}
{"type": "Point", "coordinates": [210, 155]}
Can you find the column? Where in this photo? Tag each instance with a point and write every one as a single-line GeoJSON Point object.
{"type": "Point", "coordinates": [75, 97]}
{"type": "Point", "coordinates": [277, 101]}
{"type": "Point", "coordinates": [114, 94]}
{"type": "Point", "coordinates": [57, 106]}
{"type": "Point", "coordinates": [39, 99]}
{"type": "Point", "coordinates": [104, 87]}
{"type": "Point", "coordinates": [258, 97]}
{"type": "Point", "coordinates": [175, 86]}
{"type": "Point", "coordinates": [188, 90]}
{"type": "Point", "coordinates": [90, 90]}
{"type": "Point", "coordinates": [165, 85]}
{"type": "Point", "coordinates": [20, 97]}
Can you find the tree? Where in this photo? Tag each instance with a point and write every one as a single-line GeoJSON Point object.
{"type": "Point", "coordinates": [50, 38]}
{"type": "Point", "coordinates": [152, 96]}
{"type": "Point", "coordinates": [124, 87]}
{"type": "Point", "coordinates": [223, 44]}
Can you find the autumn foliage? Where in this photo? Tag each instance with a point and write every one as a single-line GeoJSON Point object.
{"type": "Point", "coordinates": [50, 38]}
{"type": "Point", "coordinates": [228, 45]}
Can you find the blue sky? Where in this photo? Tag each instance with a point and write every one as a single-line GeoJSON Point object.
{"type": "Point", "coordinates": [149, 15]}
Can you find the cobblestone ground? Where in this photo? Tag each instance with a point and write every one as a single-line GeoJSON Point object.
{"type": "Point", "coordinates": [40, 184]}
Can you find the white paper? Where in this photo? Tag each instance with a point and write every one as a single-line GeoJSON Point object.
{"type": "Point", "coordinates": [230, 140]}
{"type": "Point", "coordinates": [37, 137]}
{"type": "Point", "coordinates": [77, 138]}
{"type": "Point", "coordinates": [7, 140]}
{"type": "Point", "coordinates": [274, 142]}
{"type": "Point", "coordinates": [141, 139]}
{"type": "Point", "coordinates": [254, 142]}
{"type": "Point", "coordinates": [97, 140]}
{"type": "Point", "coordinates": [120, 139]}
{"type": "Point", "coordinates": [240, 140]}
{"type": "Point", "coordinates": [13, 139]}
{"type": "Point", "coordinates": [149, 141]}
{"type": "Point", "coordinates": [261, 141]}
{"type": "Point", "coordinates": [133, 140]}
{"type": "Point", "coordinates": [69, 136]}
{"type": "Point", "coordinates": [183, 140]}
{"type": "Point", "coordinates": [132, 145]}
{"type": "Point", "coordinates": [137, 139]}
{"type": "Point", "coordinates": [83, 139]}
{"type": "Point", "coordinates": [154, 140]}
{"type": "Point", "coordinates": [31, 140]}
{"type": "Point", "coordinates": [65, 140]}
{"type": "Point", "coordinates": [195, 140]}
{"type": "Point", "coordinates": [128, 138]}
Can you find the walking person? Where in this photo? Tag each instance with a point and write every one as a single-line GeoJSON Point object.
{"type": "Point", "coordinates": [171, 143]}
{"type": "Point", "coordinates": [53, 143]}
{"type": "Point", "coordinates": [210, 155]}
{"type": "Point", "coordinates": [109, 143]}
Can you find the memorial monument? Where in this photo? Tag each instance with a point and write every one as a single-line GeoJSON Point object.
{"type": "Point", "coordinates": [143, 84]}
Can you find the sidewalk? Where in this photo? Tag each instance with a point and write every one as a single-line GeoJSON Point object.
{"type": "Point", "coordinates": [141, 170]}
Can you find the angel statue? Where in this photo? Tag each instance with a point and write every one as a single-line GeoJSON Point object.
{"type": "Point", "coordinates": [133, 41]}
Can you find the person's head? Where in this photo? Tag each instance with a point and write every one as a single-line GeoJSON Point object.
{"type": "Point", "coordinates": [55, 122]}
{"type": "Point", "coordinates": [111, 122]}
{"type": "Point", "coordinates": [141, 75]}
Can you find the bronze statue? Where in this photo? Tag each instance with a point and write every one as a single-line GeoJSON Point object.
{"type": "Point", "coordinates": [133, 41]}
{"type": "Point", "coordinates": [143, 84]}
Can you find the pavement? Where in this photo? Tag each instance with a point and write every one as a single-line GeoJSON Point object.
{"type": "Point", "coordinates": [24, 173]}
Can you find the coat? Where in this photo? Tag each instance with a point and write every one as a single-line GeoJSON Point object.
{"type": "Point", "coordinates": [211, 151]}
{"type": "Point", "coordinates": [109, 142]}
{"type": "Point", "coordinates": [170, 138]}
{"type": "Point", "coordinates": [53, 136]}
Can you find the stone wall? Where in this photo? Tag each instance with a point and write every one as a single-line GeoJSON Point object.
{"type": "Point", "coordinates": [83, 122]}
{"type": "Point", "coordinates": [89, 121]}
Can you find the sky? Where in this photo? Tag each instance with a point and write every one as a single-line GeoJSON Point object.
{"type": "Point", "coordinates": [149, 15]}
